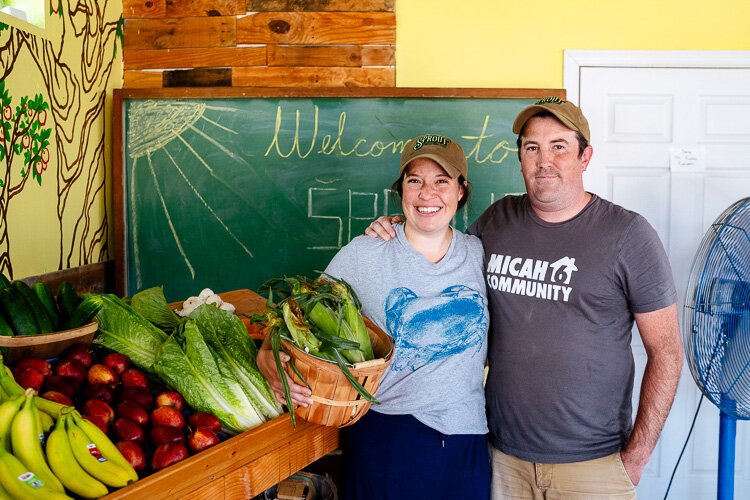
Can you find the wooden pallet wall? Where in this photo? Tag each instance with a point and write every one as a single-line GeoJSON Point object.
{"type": "Point", "coordinates": [260, 43]}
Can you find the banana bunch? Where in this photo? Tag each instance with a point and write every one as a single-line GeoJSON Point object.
{"type": "Point", "coordinates": [24, 472]}
{"type": "Point", "coordinates": [78, 457]}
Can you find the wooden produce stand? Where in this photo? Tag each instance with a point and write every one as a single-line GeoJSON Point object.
{"type": "Point", "coordinates": [247, 464]}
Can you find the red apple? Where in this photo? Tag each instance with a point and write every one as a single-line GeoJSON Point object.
{"type": "Point", "coordinates": [170, 398]}
{"type": "Point", "coordinates": [58, 383]}
{"type": "Point", "coordinates": [203, 419]}
{"type": "Point", "coordinates": [118, 362]}
{"type": "Point", "coordinates": [81, 352]}
{"type": "Point", "coordinates": [105, 392]}
{"type": "Point", "coordinates": [167, 454]}
{"type": "Point", "coordinates": [138, 394]}
{"type": "Point", "coordinates": [26, 377]}
{"type": "Point", "coordinates": [133, 453]}
{"type": "Point", "coordinates": [161, 434]}
{"type": "Point", "coordinates": [202, 438]}
{"type": "Point", "coordinates": [97, 421]}
{"type": "Point", "coordinates": [132, 410]}
{"type": "Point", "coordinates": [38, 364]}
{"type": "Point", "coordinates": [98, 408]}
{"type": "Point", "coordinates": [71, 368]}
{"type": "Point", "coordinates": [168, 415]}
{"type": "Point", "coordinates": [57, 397]}
{"type": "Point", "coordinates": [101, 374]}
{"type": "Point", "coordinates": [127, 430]}
{"type": "Point", "coordinates": [132, 377]}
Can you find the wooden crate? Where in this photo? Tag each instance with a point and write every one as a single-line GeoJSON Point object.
{"type": "Point", "coordinates": [240, 467]}
{"type": "Point", "coordinates": [244, 465]}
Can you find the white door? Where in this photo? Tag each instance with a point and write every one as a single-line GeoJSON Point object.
{"type": "Point", "coordinates": [673, 143]}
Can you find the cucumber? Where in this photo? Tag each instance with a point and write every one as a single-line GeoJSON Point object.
{"type": "Point", "coordinates": [4, 281]}
{"type": "Point", "coordinates": [45, 296]}
{"type": "Point", "coordinates": [85, 311]}
{"type": "Point", "coordinates": [40, 313]}
{"type": "Point", "coordinates": [5, 331]}
{"type": "Point", "coordinates": [67, 300]}
{"type": "Point", "coordinates": [17, 313]}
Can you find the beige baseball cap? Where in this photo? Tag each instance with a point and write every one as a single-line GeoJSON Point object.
{"type": "Point", "coordinates": [565, 111]}
{"type": "Point", "coordinates": [443, 150]}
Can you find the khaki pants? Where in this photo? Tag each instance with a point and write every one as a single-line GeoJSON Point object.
{"type": "Point", "coordinates": [602, 478]}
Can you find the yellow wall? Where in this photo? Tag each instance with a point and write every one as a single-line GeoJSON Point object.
{"type": "Point", "coordinates": [60, 220]}
{"type": "Point", "coordinates": [491, 43]}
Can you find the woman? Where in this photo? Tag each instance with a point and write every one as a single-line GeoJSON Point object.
{"type": "Point", "coordinates": [427, 437]}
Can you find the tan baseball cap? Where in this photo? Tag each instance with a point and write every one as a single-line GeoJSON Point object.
{"type": "Point", "coordinates": [443, 150]}
{"type": "Point", "coordinates": [565, 111]}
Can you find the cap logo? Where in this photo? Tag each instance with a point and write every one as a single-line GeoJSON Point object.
{"type": "Point", "coordinates": [551, 99]}
{"type": "Point", "coordinates": [424, 140]}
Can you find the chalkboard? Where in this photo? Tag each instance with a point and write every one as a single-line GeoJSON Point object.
{"type": "Point", "coordinates": [225, 188]}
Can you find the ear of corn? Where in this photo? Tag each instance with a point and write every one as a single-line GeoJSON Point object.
{"type": "Point", "coordinates": [323, 318]}
{"type": "Point", "coordinates": [354, 322]}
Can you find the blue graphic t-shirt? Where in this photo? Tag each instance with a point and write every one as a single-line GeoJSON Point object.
{"type": "Point", "coordinates": [437, 315]}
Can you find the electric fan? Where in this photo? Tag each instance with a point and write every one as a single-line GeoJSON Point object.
{"type": "Point", "coordinates": [716, 326]}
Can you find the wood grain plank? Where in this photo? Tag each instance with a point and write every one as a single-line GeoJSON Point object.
{"type": "Point", "coordinates": [316, 28]}
{"type": "Point", "coordinates": [99, 278]}
{"type": "Point", "coordinates": [282, 76]}
{"type": "Point", "coordinates": [195, 58]}
{"type": "Point", "coordinates": [299, 55]}
{"type": "Point", "coordinates": [144, 8]}
{"type": "Point", "coordinates": [215, 489]}
{"type": "Point", "coordinates": [142, 79]}
{"type": "Point", "coordinates": [198, 77]}
{"type": "Point", "coordinates": [190, 8]}
{"type": "Point", "coordinates": [378, 55]}
{"type": "Point", "coordinates": [179, 33]}
{"type": "Point", "coordinates": [320, 5]}
{"type": "Point", "coordinates": [279, 464]}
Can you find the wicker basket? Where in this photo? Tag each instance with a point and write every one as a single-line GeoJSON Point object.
{"type": "Point", "coordinates": [47, 345]}
{"type": "Point", "coordinates": [336, 402]}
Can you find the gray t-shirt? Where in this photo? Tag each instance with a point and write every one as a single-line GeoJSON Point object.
{"type": "Point", "coordinates": [562, 298]}
{"type": "Point", "coordinates": [437, 315]}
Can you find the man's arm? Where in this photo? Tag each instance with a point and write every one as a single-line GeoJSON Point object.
{"type": "Point", "coordinates": [660, 333]}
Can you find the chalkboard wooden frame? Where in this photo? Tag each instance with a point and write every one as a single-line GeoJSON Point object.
{"type": "Point", "coordinates": [122, 96]}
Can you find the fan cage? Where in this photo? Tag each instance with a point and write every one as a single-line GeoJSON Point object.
{"type": "Point", "coordinates": [716, 320]}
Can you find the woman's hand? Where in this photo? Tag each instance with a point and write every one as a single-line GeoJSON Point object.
{"type": "Point", "coordinates": [267, 366]}
{"type": "Point", "coordinates": [382, 227]}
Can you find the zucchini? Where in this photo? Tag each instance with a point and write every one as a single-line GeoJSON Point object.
{"type": "Point", "coordinates": [17, 313]}
{"type": "Point", "coordinates": [45, 296]}
{"type": "Point", "coordinates": [85, 311]}
{"type": "Point", "coordinates": [67, 300]}
{"type": "Point", "coordinates": [43, 320]}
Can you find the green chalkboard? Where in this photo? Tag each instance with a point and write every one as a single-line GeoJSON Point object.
{"type": "Point", "coordinates": [225, 188]}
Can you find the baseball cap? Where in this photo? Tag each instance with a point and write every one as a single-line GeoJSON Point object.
{"type": "Point", "coordinates": [443, 150]}
{"type": "Point", "coordinates": [565, 111]}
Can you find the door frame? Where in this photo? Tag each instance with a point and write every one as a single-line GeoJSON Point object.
{"type": "Point", "coordinates": [574, 60]}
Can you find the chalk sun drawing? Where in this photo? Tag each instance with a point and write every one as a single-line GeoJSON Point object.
{"type": "Point", "coordinates": [152, 126]}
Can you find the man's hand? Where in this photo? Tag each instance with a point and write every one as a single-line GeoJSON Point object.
{"type": "Point", "coordinates": [267, 366]}
{"type": "Point", "coordinates": [632, 468]}
{"type": "Point", "coordinates": [382, 227]}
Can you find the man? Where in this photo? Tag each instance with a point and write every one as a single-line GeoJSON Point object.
{"type": "Point", "coordinates": [568, 273]}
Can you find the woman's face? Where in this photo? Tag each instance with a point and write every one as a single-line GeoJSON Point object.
{"type": "Point", "coordinates": [429, 196]}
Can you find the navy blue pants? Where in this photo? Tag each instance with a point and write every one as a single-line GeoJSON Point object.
{"type": "Point", "coordinates": [397, 457]}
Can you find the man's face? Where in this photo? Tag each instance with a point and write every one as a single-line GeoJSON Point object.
{"type": "Point", "coordinates": [550, 163]}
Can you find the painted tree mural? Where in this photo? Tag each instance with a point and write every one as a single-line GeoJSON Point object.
{"type": "Point", "coordinates": [75, 69]}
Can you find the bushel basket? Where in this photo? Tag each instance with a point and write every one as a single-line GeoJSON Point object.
{"type": "Point", "coordinates": [336, 402]}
